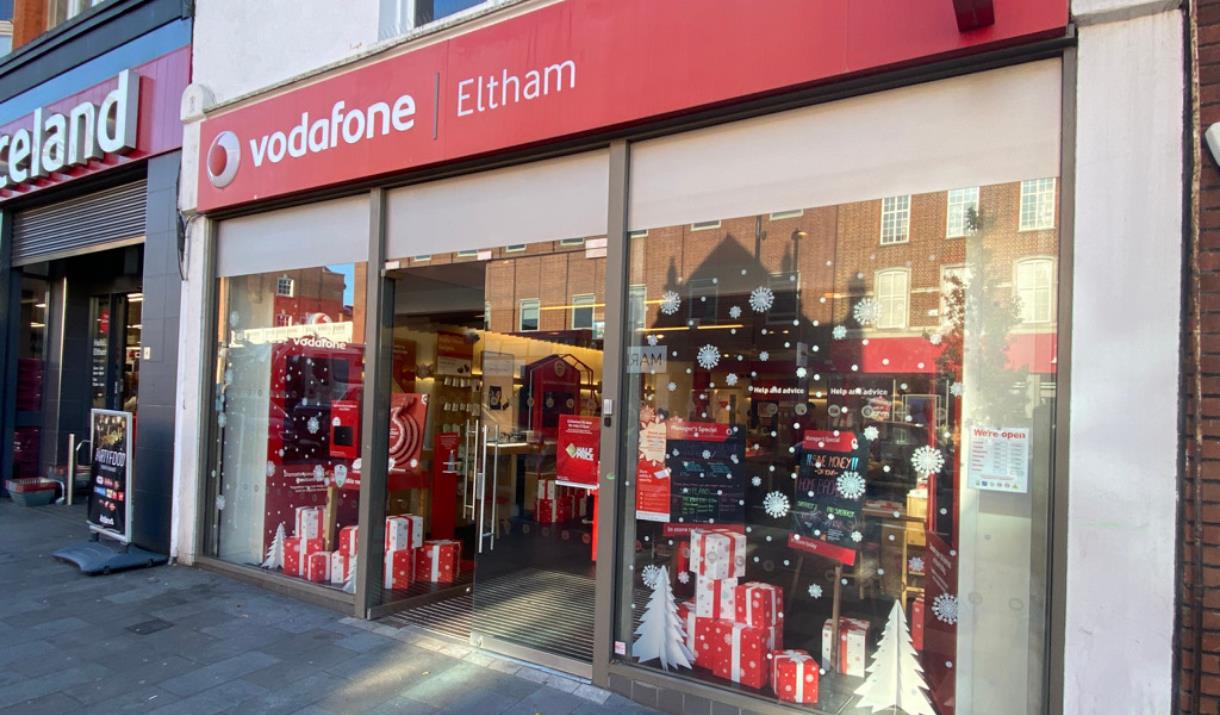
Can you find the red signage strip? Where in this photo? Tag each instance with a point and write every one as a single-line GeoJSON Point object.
{"type": "Point", "coordinates": [567, 69]}
{"type": "Point", "coordinates": [158, 128]}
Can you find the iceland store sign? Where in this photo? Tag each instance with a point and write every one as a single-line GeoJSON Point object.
{"type": "Point", "coordinates": [128, 117]}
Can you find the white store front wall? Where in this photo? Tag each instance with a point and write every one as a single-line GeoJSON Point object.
{"type": "Point", "coordinates": [1110, 668]}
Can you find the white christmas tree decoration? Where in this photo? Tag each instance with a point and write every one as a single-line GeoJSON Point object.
{"type": "Point", "coordinates": [850, 485]}
{"type": "Point", "coordinates": [756, 481]}
{"type": "Point", "coordinates": [927, 460]}
{"type": "Point", "coordinates": [815, 591]}
{"type": "Point", "coordinates": [661, 634]}
{"type": "Point", "coordinates": [649, 575]}
{"type": "Point", "coordinates": [895, 678]}
{"type": "Point", "coordinates": [313, 425]}
{"type": "Point", "coordinates": [839, 332]}
{"type": "Point", "coordinates": [709, 357]}
{"type": "Point", "coordinates": [670, 302]}
{"type": "Point", "coordinates": [735, 312]}
{"type": "Point", "coordinates": [764, 356]}
{"type": "Point", "coordinates": [956, 389]}
{"type": "Point", "coordinates": [761, 299]}
{"type": "Point", "coordinates": [275, 552]}
{"type": "Point", "coordinates": [730, 379]}
{"type": "Point", "coordinates": [776, 505]}
{"type": "Point", "coordinates": [871, 433]}
{"type": "Point", "coordinates": [349, 583]}
{"type": "Point", "coordinates": [683, 577]}
{"type": "Point", "coordinates": [867, 311]}
{"type": "Point", "coordinates": [944, 607]}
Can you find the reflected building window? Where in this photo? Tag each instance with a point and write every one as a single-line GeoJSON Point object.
{"type": "Point", "coordinates": [895, 219]}
{"type": "Point", "coordinates": [1037, 204]}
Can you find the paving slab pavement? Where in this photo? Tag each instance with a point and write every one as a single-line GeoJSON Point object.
{"type": "Point", "coordinates": [176, 639]}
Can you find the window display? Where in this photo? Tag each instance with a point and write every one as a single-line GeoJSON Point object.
{"type": "Point", "coordinates": [284, 482]}
{"type": "Point", "coordinates": [838, 448]}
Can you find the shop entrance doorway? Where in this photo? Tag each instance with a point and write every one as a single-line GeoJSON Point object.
{"type": "Point", "coordinates": [495, 422]}
{"type": "Point", "coordinates": [114, 343]}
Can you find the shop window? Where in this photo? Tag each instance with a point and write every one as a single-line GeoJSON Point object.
{"type": "Point", "coordinates": [583, 311]}
{"type": "Point", "coordinates": [637, 298]}
{"type": "Point", "coordinates": [704, 225]}
{"type": "Point", "coordinates": [637, 234]}
{"type": "Point", "coordinates": [1034, 279]}
{"type": "Point", "coordinates": [571, 242]}
{"type": "Point", "coordinates": [60, 11]}
{"type": "Point", "coordinates": [1037, 204]}
{"type": "Point", "coordinates": [963, 207]}
{"type": "Point", "coordinates": [954, 281]}
{"type": "Point", "coordinates": [528, 312]}
{"type": "Point", "coordinates": [786, 297]}
{"type": "Point", "coordinates": [285, 421]}
{"type": "Point", "coordinates": [895, 219]}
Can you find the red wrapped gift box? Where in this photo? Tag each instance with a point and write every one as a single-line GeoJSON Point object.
{"type": "Point", "coordinates": [398, 572]}
{"type": "Point", "coordinates": [547, 489]}
{"type": "Point", "coordinates": [403, 531]}
{"type": "Point", "coordinates": [340, 564]}
{"type": "Point", "coordinates": [348, 540]}
{"type": "Point", "coordinates": [317, 567]}
{"type": "Point", "coordinates": [296, 554]}
{"type": "Point", "coordinates": [718, 553]}
{"type": "Point", "coordinates": [739, 653]}
{"type": "Point", "coordinates": [794, 676]}
{"type": "Point", "coordinates": [700, 634]}
{"type": "Point", "coordinates": [759, 604]}
{"type": "Point", "coordinates": [438, 561]}
{"type": "Point", "coordinates": [307, 522]}
{"type": "Point", "coordinates": [853, 636]}
{"type": "Point", "coordinates": [715, 597]}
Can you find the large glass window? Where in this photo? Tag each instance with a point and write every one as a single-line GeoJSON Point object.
{"type": "Point", "coordinates": [837, 477]}
{"type": "Point", "coordinates": [284, 482]}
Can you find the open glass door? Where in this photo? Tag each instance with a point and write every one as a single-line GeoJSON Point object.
{"type": "Point", "coordinates": [495, 425]}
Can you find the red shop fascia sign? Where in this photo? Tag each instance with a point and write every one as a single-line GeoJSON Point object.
{"type": "Point", "coordinates": [572, 68]}
{"type": "Point", "coordinates": [127, 118]}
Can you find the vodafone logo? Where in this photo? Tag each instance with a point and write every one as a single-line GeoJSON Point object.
{"type": "Point", "coordinates": [224, 157]}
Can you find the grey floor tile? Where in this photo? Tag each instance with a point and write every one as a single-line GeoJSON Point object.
{"type": "Point", "coordinates": [53, 704]}
{"type": "Point", "coordinates": [218, 673]}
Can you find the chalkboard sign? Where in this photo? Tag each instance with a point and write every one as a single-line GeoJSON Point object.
{"type": "Point", "coordinates": [704, 460]}
{"type": "Point", "coordinates": [830, 488]}
{"type": "Point", "coordinates": [110, 473]}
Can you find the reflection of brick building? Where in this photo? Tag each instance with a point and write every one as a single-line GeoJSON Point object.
{"type": "Point", "coordinates": [308, 295]}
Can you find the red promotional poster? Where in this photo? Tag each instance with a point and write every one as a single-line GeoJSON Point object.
{"type": "Point", "coordinates": [408, 415]}
{"type": "Point", "coordinates": [454, 354]}
{"type": "Point", "coordinates": [829, 441]}
{"type": "Point", "coordinates": [677, 428]}
{"type": "Point", "coordinates": [843, 555]}
{"type": "Point", "coordinates": [651, 474]}
{"type": "Point", "coordinates": [576, 459]}
{"type": "Point", "coordinates": [940, 622]}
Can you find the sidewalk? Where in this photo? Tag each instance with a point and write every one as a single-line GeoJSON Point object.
{"type": "Point", "coordinates": [182, 640]}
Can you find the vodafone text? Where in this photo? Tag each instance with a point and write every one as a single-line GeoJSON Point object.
{"type": "Point", "coordinates": [377, 119]}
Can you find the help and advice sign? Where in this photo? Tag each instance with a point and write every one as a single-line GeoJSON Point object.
{"type": "Point", "coordinates": [568, 68]}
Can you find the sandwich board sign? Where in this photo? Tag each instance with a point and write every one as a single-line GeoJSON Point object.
{"type": "Point", "coordinates": [110, 474]}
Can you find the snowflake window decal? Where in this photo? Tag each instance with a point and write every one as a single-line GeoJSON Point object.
{"type": "Point", "coordinates": [672, 386]}
{"type": "Point", "coordinates": [221, 420]}
{"type": "Point", "coordinates": [956, 389]}
{"type": "Point", "coordinates": [915, 565]}
{"type": "Point", "coordinates": [649, 575]}
{"type": "Point", "coordinates": [220, 502]}
{"type": "Point", "coordinates": [839, 332]}
{"type": "Point", "coordinates": [936, 338]}
{"type": "Point", "coordinates": [730, 379]}
{"type": "Point", "coordinates": [927, 460]}
{"type": "Point", "coordinates": [652, 340]}
{"type": "Point", "coordinates": [871, 433]}
{"type": "Point", "coordinates": [735, 312]}
{"type": "Point", "coordinates": [709, 357]}
{"type": "Point", "coordinates": [764, 356]}
{"type": "Point", "coordinates": [707, 454]}
{"type": "Point", "coordinates": [318, 472]}
{"type": "Point", "coordinates": [761, 299]}
{"type": "Point", "coordinates": [270, 468]}
{"type": "Point", "coordinates": [850, 485]}
{"type": "Point", "coordinates": [867, 311]}
{"type": "Point", "coordinates": [670, 302]}
{"type": "Point", "coordinates": [756, 481]}
{"type": "Point", "coordinates": [945, 608]}
{"type": "Point", "coordinates": [313, 425]}
{"type": "Point", "coordinates": [857, 537]}
{"type": "Point", "coordinates": [683, 577]}
{"type": "Point", "coordinates": [776, 505]}
{"type": "Point", "coordinates": [814, 590]}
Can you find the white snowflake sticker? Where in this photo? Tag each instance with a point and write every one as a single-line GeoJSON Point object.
{"type": "Point", "coordinates": [839, 332]}
{"type": "Point", "coordinates": [776, 505]}
{"type": "Point", "coordinates": [915, 564]}
{"type": "Point", "coordinates": [761, 299]}
{"type": "Point", "coordinates": [927, 460]}
{"type": "Point", "coordinates": [764, 356]}
{"type": "Point", "coordinates": [652, 340]}
{"type": "Point", "coordinates": [683, 577]}
{"type": "Point", "coordinates": [270, 468]}
{"type": "Point", "coordinates": [730, 379]}
{"type": "Point", "coordinates": [707, 454]}
{"type": "Point", "coordinates": [867, 311]}
{"type": "Point", "coordinates": [735, 312]}
{"type": "Point", "coordinates": [670, 302]}
{"type": "Point", "coordinates": [709, 357]}
{"type": "Point", "coordinates": [672, 386]}
{"type": "Point", "coordinates": [871, 433]}
{"type": "Point", "coordinates": [945, 608]}
{"type": "Point", "coordinates": [318, 472]}
{"type": "Point", "coordinates": [857, 537]}
{"type": "Point", "coordinates": [936, 338]}
{"type": "Point", "coordinates": [313, 425]}
{"type": "Point", "coordinates": [815, 591]}
{"type": "Point", "coordinates": [649, 575]}
{"type": "Point", "coordinates": [850, 485]}
{"type": "Point", "coordinates": [220, 502]}
{"type": "Point", "coordinates": [756, 481]}
{"type": "Point", "coordinates": [956, 389]}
